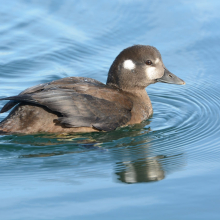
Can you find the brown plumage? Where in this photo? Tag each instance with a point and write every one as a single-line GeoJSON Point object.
{"type": "Point", "coordinates": [77, 104]}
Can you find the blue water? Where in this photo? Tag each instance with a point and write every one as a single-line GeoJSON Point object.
{"type": "Point", "coordinates": [165, 168]}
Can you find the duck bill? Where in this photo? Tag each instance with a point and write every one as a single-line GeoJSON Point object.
{"type": "Point", "coordinates": [169, 77]}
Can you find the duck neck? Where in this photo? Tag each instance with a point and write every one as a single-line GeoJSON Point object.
{"type": "Point", "coordinates": [139, 95]}
{"type": "Point", "coordinates": [141, 103]}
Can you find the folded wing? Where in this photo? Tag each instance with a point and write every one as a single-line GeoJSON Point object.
{"type": "Point", "coordinates": [82, 102]}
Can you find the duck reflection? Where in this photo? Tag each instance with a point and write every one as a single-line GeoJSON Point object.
{"type": "Point", "coordinates": [148, 169]}
{"type": "Point", "coordinates": [142, 170]}
{"type": "Point", "coordinates": [136, 152]}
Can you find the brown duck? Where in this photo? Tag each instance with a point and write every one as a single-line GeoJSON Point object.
{"type": "Point", "coordinates": [78, 104]}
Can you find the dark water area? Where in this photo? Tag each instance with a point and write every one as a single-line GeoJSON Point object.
{"type": "Point", "coordinates": [164, 168]}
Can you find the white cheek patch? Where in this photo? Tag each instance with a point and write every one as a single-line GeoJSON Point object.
{"type": "Point", "coordinates": [151, 72]}
{"type": "Point", "coordinates": [129, 64]}
{"type": "Point", "coordinates": [157, 60]}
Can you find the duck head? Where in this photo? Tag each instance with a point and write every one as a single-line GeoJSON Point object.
{"type": "Point", "coordinates": [137, 67]}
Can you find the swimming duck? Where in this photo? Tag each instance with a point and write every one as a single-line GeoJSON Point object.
{"type": "Point", "coordinates": [79, 104]}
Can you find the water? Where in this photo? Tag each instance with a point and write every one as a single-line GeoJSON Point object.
{"type": "Point", "coordinates": [165, 168]}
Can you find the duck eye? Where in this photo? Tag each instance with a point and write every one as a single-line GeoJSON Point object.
{"type": "Point", "coordinates": [148, 62]}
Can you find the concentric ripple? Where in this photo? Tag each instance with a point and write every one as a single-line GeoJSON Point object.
{"type": "Point", "coordinates": [188, 116]}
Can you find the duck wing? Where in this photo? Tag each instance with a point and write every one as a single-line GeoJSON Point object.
{"type": "Point", "coordinates": [82, 102]}
{"type": "Point", "coordinates": [64, 82]}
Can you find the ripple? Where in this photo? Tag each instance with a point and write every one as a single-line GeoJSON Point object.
{"type": "Point", "coordinates": [184, 118]}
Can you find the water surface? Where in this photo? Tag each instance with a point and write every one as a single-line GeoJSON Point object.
{"type": "Point", "coordinates": [165, 168]}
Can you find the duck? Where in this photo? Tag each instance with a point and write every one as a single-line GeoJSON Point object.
{"type": "Point", "coordinates": [80, 104]}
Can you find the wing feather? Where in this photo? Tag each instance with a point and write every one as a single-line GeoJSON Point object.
{"type": "Point", "coordinates": [81, 104]}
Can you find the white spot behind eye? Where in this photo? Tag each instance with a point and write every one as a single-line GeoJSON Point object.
{"type": "Point", "coordinates": [129, 64]}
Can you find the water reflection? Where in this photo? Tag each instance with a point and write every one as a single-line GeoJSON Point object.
{"type": "Point", "coordinates": [141, 163]}
{"type": "Point", "coordinates": [145, 169]}
{"type": "Point", "coordinates": [130, 149]}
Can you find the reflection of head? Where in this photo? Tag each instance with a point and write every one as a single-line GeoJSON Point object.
{"type": "Point", "coordinates": [140, 171]}
{"type": "Point", "coordinates": [148, 169]}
